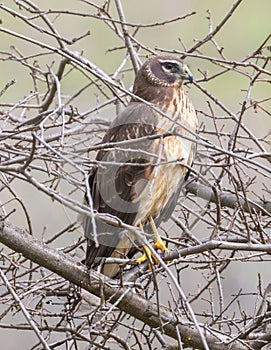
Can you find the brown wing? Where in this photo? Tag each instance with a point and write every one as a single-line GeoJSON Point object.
{"type": "Point", "coordinates": [120, 176]}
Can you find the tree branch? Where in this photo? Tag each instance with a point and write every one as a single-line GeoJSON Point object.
{"type": "Point", "coordinates": [124, 298]}
{"type": "Point", "coordinates": [51, 95]}
{"type": "Point", "coordinates": [228, 200]}
{"type": "Point", "coordinates": [217, 28]}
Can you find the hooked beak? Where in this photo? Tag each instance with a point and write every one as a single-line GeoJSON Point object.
{"type": "Point", "coordinates": [187, 75]}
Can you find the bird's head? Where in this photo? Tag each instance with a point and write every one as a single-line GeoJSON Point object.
{"type": "Point", "coordinates": [165, 71]}
{"type": "Point", "coordinates": [159, 77]}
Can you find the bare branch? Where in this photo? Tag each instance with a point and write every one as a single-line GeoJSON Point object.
{"type": "Point", "coordinates": [24, 311]}
{"type": "Point", "coordinates": [227, 199]}
{"type": "Point", "coordinates": [93, 282]}
{"type": "Point", "coordinates": [206, 292]}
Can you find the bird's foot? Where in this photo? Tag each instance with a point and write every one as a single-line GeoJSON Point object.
{"type": "Point", "coordinates": [146, 256]}
{"type": "Point", "coordinates": [158, 245]}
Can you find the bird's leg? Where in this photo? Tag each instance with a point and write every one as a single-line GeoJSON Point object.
{"type": "Point", "coordinates": [158, 243]}
{"type": "Point", "coordinates": [147, 253]}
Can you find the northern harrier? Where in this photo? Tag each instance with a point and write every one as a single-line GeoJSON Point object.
{"type": "Point", "coordinates": [139, 176]}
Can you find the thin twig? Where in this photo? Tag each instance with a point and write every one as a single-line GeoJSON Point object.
{"type": "Point", "coordinates": [24, 311]}
{"type": "Point", "coordinates": [126, 37]}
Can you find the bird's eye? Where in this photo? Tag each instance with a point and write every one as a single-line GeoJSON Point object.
{"type": "Point", "coordinates": [168, 65]}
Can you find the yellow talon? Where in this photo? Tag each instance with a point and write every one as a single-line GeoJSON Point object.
{"type": "Point", "coordinates": [144, 257]}
{"type": "Point", "coordinates": [148, 254]}
{"type": "Point", "coordinates": [158, 244]}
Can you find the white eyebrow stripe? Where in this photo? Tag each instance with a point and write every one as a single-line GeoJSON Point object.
{"type": "Point", "coordinates": [171, 61]}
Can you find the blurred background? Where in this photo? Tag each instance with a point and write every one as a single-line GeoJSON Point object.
{"type": "Point", "coordinates": [243, 33]}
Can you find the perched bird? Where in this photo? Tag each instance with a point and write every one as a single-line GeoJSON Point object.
{"type": "Point", "coordinates": [141, 171]}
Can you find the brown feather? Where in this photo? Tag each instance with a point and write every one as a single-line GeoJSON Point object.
{"type": "Point", "coordinates": [143, 178]}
